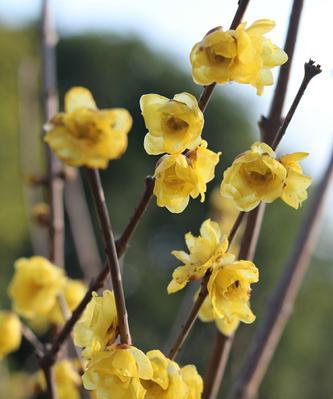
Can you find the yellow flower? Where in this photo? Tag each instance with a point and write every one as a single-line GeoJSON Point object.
{"type": "Point", "coordinates": [179, 177]}
{"type": "Point", "coordinates": [241, 55]}
{"type": "Point", "coordinates": [229, 290]}
{"type": "Point", "coordinates": [204, 251]}
{"type": "Point", "coordinates": [294, 191]}
{"type": "Point", "coordinates": [117, 373]}
{"type": "Point", "coordinates": [254, 176]}
{"type": "Point", "coordinates": [85, 135]}
{"type": "Point", "coordinates": [35, 286]}
{"type": "Point", "coordinates": [67, 380]}
{"type": "Point", "coordinates": [193, 381]}
{"type": "Point", "coordinates": [226, 325]}
{"type": "Point", "coordinates": [169, 381]}
{"type": "Point", "coordinates": [173, 125]}
{"type": "Point", "coordinates": [10, 332]}
{"type": "Point", "coordinates": [97, 327]}
{"type": "Point", "coordinates": [74, 291]}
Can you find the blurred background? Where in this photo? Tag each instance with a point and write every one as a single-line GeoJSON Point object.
{"type": "Point", "coordinates": [121, 50]}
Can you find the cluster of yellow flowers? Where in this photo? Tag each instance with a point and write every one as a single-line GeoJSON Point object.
{"type": "Point", "coordinates": [124, 370]}
{"type": "Point", "coordinates": [174, 126]}
{"type": "Point", "coordinates": [229, 284]}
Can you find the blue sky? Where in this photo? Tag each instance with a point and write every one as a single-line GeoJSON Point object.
{"type": "Point", "coordinates": [173, 26]}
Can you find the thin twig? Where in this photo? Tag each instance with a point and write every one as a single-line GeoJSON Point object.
{"type": "Point", "coordinates": [189, 322]}
{"type": "Point", "coordinates": [111, 253]}
{"type": "Point", "coordinates": [50, 107]}
{"type": "Point", "coordinates": [216, 365]}
{"type": "Point", "coordinates": [208, 90]}
{"type": "Point", "coordinates": [30, 336]}
{"type": "Point", "coordinates": [124, 239]}
{"type": "Point", "coordinates": [310, 71]}
{"type": "Point", "coordinates": [282, 302]}
{"type": "Point", "coordinates": [269, 125]}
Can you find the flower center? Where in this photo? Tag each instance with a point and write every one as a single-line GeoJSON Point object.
{"type": "Point", "coordinates": [176, 124]}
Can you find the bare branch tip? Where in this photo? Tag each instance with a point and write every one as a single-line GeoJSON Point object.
{"type": "Point", "coordinates": [312, 69]}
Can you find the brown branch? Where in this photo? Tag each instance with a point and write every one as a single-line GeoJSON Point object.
{"type": "Point", "coordinates": [216, 365]}
{"type": "Point", "coordinates": [191, 318]}
{"type": "Point", "coordinates": [124, 239]}
{"type": "Point", "coordinates": [30, 336]}
{"type": "Point", "coordinates": [281, 304]}
{"type": "Point", "coordinates": [269, 125]}
{"type": "Point", "coordinates": [310, 71]}
{"type": "Point", "coordinates": [208, 90]}
{"type": "Point", "coordinates": [111, 253]}
{"type": "Point", "coordinates": [50, 107]}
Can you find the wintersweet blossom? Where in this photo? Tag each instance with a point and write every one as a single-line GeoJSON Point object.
{"type": "Point", "coordinates": [241, 55]}
{"type": "Point", "coordinates": [67, 380]}
{"type": "Point", "coordinates": [174, 125]}
{"type": "Point", "coordinates": [204, 251]}
{"type": "Point", "coordinates": [35, 286]}
{"type": "Point", "coordinates": [254, 176]}
{"type": "Point", "coordinates": [84, 135]}
{"type": "Point", "coordinates": [229, 290]}
{"type": "Point", "coordinates": [169, 381]}
{"type": "Point", "coordinates": [179, 177]}
{"type": "Point", "coordinates": [296, 183]}
{"type": "Point", "coordinates": [97, 327]}
{"type": "Point", "coordinates": [10, 332]}
{"type": "Point", "coordinates": [118, 372]}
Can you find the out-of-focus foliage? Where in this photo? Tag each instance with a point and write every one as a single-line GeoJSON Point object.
{"type": "Point", "coordinates": [118, 71]}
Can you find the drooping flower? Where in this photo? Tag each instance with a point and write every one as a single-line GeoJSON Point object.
{"type": "Point", "coordinates": [169, 381]}
{"type": "Point", "coordinates": [229, 290]}
{"type": "Point", "coordinates": [10, 332]}
{"type": "Point", "coordinates": [84, 135]}
{"type": "Point", "coordinates": [296, 183]}
{"type": "Point", "coordinates": [227, 326]}
{"type": "Point", "coordinates": [241, 55]}
{"type": "Point", "coordinates": [254, 176]}
{"type": "Point", "coordinates": [73, 291]}
{"type": "Point", "coordinates": [35, 286]}
{"type": "Point", "coordinates": [179, 177]}
{"type": "Point", "coordinates": [118, 372]}
{"type": "Point", "coordinates": [204, 251]}
{"type": "Point", "coordinates": [173, 125]}
{"type": "Point", "coordinates": [98, 325]}
{"type": "Point", "coordinates": [67, 380]}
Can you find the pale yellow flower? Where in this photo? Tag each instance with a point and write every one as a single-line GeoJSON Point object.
{"type": "Point", "coordinates": [117, 373]}
{"type": "Point", "coordinates": [66, 378]}
{"type": "Point", "coordinates": [169, 381]}
{"type": "Point", "coordinates": [85, 135]}
{"type": "Point", "coordinates": [296, 183]}
{"type": "Point", "coordinates": [229, 290]}
{"type": "Point", "coordinates": [98, 325]}
{"type": "Point", "coordinates": [254, 176]}
{"type": "Point", "coordinates": [10, 332]}
{"type": "Point", "coordinates": [179, 177]}
{"type": "Point", "coordinates": [227, 326]}
{"type": "Point", "coordinates": [204, 251]}
{"type": "Point", "coordinates": [73, 291]}
{"type": "Point", "coordinates": [173, 125]}
{"type": "Point", "coordinates": [193, 381]}
{"type": "Point", "coordinates": [241, 55]}
{"type": "Point", "coordinates": [35, 286]}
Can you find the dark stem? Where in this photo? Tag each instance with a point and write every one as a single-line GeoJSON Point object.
{"type": "Point", "coordinates": [216, 366]}
{"type": "Point", "coordinates": [30, 336]}
{"type": "Point", "coordinates": [50, 108]}
{"type": "Point", "coordinates": [282, 301]}
{"type": "Point", "coordinates": [310, 71]}
{"type": "Point", "coordinates": [124, 239]}
{"type": "Point", "coordinates": [111, 253]}
{"type": "Point", "coordinates": [269, 125]}
{"type": "Point", "coordinates": [187, 326]}
{"type": "Point", "coordinates": [208, 90]}
{"type": "Point", "coordinates": [48, 372]}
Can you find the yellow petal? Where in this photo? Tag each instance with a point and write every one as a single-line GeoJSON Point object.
{"type": "Point", "coordinates": [79, 97]}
